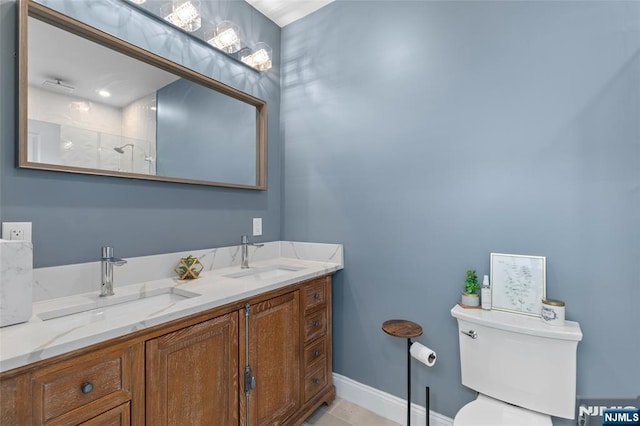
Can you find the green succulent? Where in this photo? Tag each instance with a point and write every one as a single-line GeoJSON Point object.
{"type": "Point", "coordinates": [471, 285]}
{"type": "Point", "coordinates": [189, 260]}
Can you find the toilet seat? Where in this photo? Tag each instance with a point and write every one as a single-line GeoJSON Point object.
{"type": "Point", "coordinates": [486, 411]}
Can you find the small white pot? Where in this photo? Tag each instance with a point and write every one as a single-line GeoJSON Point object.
{"type": "Point", "coordinates": [470, 299]}
{"type": "Point", "coordinates": [552, 312]}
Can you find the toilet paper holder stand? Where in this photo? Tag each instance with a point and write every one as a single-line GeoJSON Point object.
{"type": "Point", "coordinates": [407, 329]}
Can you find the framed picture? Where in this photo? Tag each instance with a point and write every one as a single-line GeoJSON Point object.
{"type": "Point", "coordinates": [518, 283]}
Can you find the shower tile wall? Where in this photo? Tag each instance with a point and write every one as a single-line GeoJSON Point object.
{"type": "Point", "coordinates": [65, 130]}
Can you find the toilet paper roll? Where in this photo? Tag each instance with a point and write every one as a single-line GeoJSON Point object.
{"type": "Point", "coordinates": [423, 354]}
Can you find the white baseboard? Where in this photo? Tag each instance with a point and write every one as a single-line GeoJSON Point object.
{"type": "Point", "coordinates": [384, 404]}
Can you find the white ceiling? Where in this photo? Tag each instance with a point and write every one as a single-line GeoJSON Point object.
{"type": "Point", "coordinates": [55, 54]}
{"type": "Point", "coordinates": [284, 12]}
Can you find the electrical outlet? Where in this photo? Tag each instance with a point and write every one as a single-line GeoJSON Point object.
{"type": "Point", "coordinates": [16, 231]}
{"type": "Point", "coordinates": [257, 226]}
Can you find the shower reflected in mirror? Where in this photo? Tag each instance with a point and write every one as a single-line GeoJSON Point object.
{"type": "Point", "coordinates": [120, 149]}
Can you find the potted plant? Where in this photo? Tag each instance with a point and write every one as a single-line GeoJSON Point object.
{"type": "Point", "coordinates": [470, 296]}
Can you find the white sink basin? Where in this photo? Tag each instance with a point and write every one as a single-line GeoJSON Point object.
{"type": "Point", "coordinates": [265, 273]}
{"type": "Point", "coordinates": [103, 308]}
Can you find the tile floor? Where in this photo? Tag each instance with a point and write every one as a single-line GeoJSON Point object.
{"type": "Point", "coordinates": [344, 413]}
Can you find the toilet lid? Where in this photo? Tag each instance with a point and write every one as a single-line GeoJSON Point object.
{"type": "Point", "coordinates": [486, 411]}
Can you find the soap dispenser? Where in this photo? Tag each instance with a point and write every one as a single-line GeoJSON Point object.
{"type": "Point", "coordinates": [485, 294]}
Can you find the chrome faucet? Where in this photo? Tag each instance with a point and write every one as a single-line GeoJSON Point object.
{"type": "Point", "coordinates": [106, 288]}
{"type": "Point", "coordinates": [244, 264]}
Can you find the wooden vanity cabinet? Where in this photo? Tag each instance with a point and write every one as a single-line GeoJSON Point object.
{"type": "Point", "coordinates": [191, 371]}
{"type": "Point", "coordinates": [289, 341]}
{"type": "Point", "coordinates": [316, 332]}
{"type": "Point", "coordinates": [82, 388]}
{"type": "Point", "coordinates": [192, 375]}
{"type": "Point", "coordinates": [94, 388]}
{"type": "Point", "coordinates": [272, 339]}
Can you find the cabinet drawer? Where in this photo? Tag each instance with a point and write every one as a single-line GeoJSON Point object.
{"type": "Point", "coordinates": [315, 294]}
{"type": "Point", "coordinates": [81, 388]}
{"type": "Point", "coordinates": [314, 353]}
{"type": "Point", "coordinates": [119, 416]}
{"type": "Point", "coordinates": [315, 325]}
{"type": "Point", "coordinates": [314, 382]}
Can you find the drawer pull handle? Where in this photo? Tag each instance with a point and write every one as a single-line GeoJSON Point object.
{"type": "Point", "coordinates": [316, 323]}
{"type": "Point", "coordinates": [316, 353]}
{"type": "Point", "coordinates": [86, 387]}
{"type": "Point", "coordinates": [316, 381]}
{"type": "Point", "coordinates": [316, 296]}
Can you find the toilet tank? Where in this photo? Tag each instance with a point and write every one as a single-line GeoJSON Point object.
{"type": "Point", "coordinates": [520, 360]}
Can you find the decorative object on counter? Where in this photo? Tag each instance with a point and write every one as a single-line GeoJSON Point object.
{"type": "Point", "coordinates": [486, 294]}
{"type": "Point", "coordinates": [189, 268]}
{"type": "Point", "coordinates": [406, 329]}
{"type": "Point", "coordinates": [470, 298]}
{"type": "Point", "coordinates": [519, 283]}
{"type": "Point", "coordinates": [552, 312]}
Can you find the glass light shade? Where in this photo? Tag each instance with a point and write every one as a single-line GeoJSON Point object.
{"type": "Point", "coordinates": [184, 14]}
{"type": "Point", "coordinates": [259, 58]}
{"type": "Point", "coordinates": [225, 36]}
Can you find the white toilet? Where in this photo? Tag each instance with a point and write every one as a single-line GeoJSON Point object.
{"type": "Point", "coordinates": [523, 369]}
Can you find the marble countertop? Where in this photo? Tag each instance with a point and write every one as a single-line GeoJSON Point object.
{"type": "Point", "coordinates": [39, 339]}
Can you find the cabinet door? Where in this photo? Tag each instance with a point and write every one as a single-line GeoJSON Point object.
{"type": "Point", "coordinates": [274, 356]}
{"type": "Point", "coordinates": [192, 375]}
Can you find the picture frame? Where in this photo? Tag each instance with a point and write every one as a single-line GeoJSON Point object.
{"type": "Point", "coordinates": [518, 283]}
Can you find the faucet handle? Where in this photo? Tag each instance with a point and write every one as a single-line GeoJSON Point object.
{"type": "Point", "coordinates": [107, 252]}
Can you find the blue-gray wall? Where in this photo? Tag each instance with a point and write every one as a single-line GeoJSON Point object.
{"type": "Point", "coordinates": [73, 215]}
{"type": "Point", "coordinates": [426, 135]}
{"type": "Point", "coordinates": [467, 128]}
{"type": "Point", "coordinates": [189, 148]}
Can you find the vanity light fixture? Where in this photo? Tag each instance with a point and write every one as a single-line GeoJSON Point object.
{"type": "Point", "coordinates": [260, 58]}
{"type": "Point", "coordinates": [225, 36]}
{"type": "Point", "coordinates": [184, 14]}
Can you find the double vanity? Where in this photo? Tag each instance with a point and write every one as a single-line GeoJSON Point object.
{"type": "Point", "coordinates": [236, 346]}
{"type": "Point", "coordinates": [247, 346]}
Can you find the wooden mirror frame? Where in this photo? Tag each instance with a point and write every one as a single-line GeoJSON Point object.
{"type": "Point", "coordinates": [30, 8]}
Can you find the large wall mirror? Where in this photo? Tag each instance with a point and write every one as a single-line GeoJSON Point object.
{"type": "Point", "coordinates": [92, 103]}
